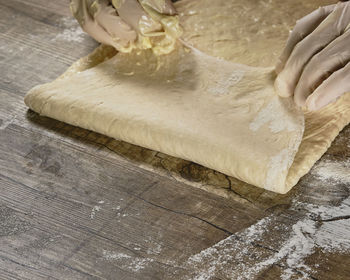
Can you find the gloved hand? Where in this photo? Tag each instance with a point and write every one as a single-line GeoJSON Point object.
{"type": "Point", "coordinates": [315, 65]}
{"type": "Point", "coordinates": [120, 23]}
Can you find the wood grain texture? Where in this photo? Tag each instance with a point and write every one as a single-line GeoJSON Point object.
{"type": "Point", "coordinates": [78, 205]}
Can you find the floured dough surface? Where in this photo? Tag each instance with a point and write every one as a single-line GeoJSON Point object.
{"type": "Point", "coordinates": [220, 114]}
{"type": "Point", "coordinates": [188, 105]}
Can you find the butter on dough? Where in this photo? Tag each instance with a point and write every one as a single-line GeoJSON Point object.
{"type": "Point", "coordinates": [220, 114]}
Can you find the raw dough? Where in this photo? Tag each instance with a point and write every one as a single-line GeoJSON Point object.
{"type": "Point", "coordinates": [222, 115]}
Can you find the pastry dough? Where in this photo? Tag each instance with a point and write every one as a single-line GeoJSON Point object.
{"type": "Point", "coordinates": [188, 104]}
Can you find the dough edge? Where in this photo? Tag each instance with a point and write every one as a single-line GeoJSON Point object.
{"type": "Point", "coordinates": [317, 138]}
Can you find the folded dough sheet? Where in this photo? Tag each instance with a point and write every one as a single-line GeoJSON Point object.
{"type": "Point", "coordinates": [220, 114]}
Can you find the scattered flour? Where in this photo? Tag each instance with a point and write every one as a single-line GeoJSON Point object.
{"type": "Point", "coordinates": [328, 170]}
{"type": "Point", "coordinates": [94, 210]}
{"type": "Point", "coordinates": [230, 257]}
{"type": "Point", "coordinates": [127, 262]}
{"type": "Point", "coordinates": [298, 246]}
{"type": "Point", "coordinates": [334, 236]}
{"type": "Point", "coordinates": [112, 256]}
{"type": "Point", "coordinates": [74, 34]}
{"type": "Point", "coordinates": [222, 84]}
{"type": "Point", "coordinates": [279, 163]}
{"type": "Point", "coordinates": [275, 114]}
{"type": "Point", "coordinates": [242, 257]}
{"type": "Point", "coordinates": [255, 232]}
{"type": "Point", "coordinates": [223, 81]}
{"type": "Point", "coordinates": [227, 258]}
{"type": "Point", "coordinates": [155, 249]}
{"type": "Point", "coordinates": [139, 264]}
{"type": "Point", "coordinates": [72, 31]}
{"type": "Point", "coordinates": [309, 234]}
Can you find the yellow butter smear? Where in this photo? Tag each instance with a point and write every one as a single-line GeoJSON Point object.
{"type": "Point", "coordinates": [161, 42]}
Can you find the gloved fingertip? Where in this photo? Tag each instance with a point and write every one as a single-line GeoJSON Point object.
{"type": "Point", "coordinates": [279, 66]}
{"type": "Point", "coordinates": [311, 104]}
{"type": "Point", "coordinates": [281, 87]}
{"type": "Point", "coordinates": [315, 101]}
{"type": "Point", "coordinates": [300, 102]}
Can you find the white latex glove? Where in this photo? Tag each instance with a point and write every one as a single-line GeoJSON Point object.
{"type": "Point", "coordinates": [119, 22]}
{"type": "Point", "coordinates": [315, 65]}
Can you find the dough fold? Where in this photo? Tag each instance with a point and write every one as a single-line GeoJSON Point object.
{"type": "Point", "coordinates": [220, 114]}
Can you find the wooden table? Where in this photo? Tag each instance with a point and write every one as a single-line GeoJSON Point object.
{"type": "Point", "coordinates": [78, 205]}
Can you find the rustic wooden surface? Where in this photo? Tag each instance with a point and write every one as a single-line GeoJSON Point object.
{"type": "Point", "coordinates": [78, 205]}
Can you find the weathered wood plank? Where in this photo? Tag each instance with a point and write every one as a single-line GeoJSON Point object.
{"type": "Point", "coordinates": [78, 205]}
{"type": "Point", "coordinates": [93, 200]}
